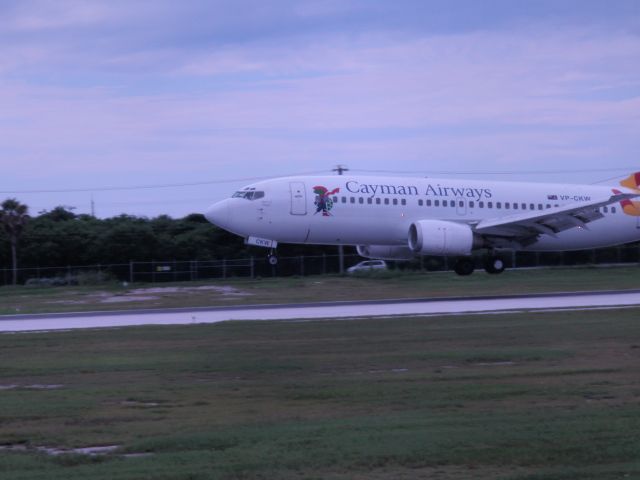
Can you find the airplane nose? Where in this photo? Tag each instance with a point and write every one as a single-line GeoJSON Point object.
{"type": "Point", "coordinates": [218, 214]}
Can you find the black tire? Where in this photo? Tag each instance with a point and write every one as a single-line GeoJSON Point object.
{"type": "Point", "coordinates": [494, 265]}
{"type": "Point", "coordinates": [272, 259]}
{"type": "Point", "coordinates": [464, 266]}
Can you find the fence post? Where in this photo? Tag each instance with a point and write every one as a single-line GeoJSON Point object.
{"type": "Point", "coordinates": [513, 259]}
{"type": "Point", "coordinates": [252, 267]}
{"type": "Point", "coordinates": [130, 271]}
{"type": "Point", "coordinates": [301, 260]}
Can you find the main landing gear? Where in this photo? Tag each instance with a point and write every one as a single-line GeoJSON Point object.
{"type": "Point", "coordinates": [464, 266]}
{"type": "Point", "coordinates": [272, 258]}
{"type": "Point", "coordinates": [492, 264]}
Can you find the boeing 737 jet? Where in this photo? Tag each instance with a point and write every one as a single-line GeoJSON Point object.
{"type": "Point", "coordinates": [394, 218]}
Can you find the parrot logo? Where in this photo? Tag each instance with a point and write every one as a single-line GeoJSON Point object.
{"type": "Point", "coordinates": [628, 206]}
{"type": "Point", "coordinates": [324, 202]}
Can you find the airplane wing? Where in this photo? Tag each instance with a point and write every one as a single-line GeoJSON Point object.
{"type": "Point", "coordinates": [526, 227]}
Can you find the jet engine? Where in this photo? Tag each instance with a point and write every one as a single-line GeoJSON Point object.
{"type": "Point", "coordinates": [439, 237]}
{"type": "Point", "coordinates": [385, 252]}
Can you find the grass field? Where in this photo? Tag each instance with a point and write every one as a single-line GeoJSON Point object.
{"type": "Point", "coordinates": [531, 396]}
{"type": "Point", "coordinates": [306, 289]}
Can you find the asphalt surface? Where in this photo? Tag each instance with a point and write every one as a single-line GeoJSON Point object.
{"type": "Point", "coordinates": [328, 310]}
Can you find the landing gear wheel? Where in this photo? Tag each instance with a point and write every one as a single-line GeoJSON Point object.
{"type": "Point", "coordinates": [272, 259]}
{"type": "Point", "coordinates": [494, 265]}
{"type": "Point", "coordinates": [464, 266]}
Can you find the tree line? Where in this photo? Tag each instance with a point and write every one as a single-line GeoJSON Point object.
{"type": "Point", "coordinates": [60, 237]}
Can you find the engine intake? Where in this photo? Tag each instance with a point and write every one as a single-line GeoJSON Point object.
{"type": "Point", "coordinates": [439, 237]}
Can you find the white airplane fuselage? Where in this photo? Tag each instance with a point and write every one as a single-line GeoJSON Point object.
{"type": "Point", "coordinates": [362, 210]}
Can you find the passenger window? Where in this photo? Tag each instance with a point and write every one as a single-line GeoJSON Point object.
{"type": "Point", "coordinates": [369, 201]}
{"type": "Point", "coordinates": [472, 204]}
{"type": "Point", "coordinates": [429, 203]}
{"type": "Point", "coordinates": [360, 200]}
{"type": "Point", "coordinates": [436, 203]}
{"type": "Point", "coordinates": [613, 209]}
{"type": "Point", "coordinates": [515, 206]}
{"type": "Point", "coordinates": [395, 201]}
{"type": "Point", "coordinates": [377, 201]}
{"type": "Point", "coordinates": [539, 206]}
{"type": "Point", "coordinates": [524, 206]}
{"type": "Point", "coordinates": [420, 202]}
{"type": "Point", "coordinates": [344, 199]}
{"type": "Point", "coordinates": [481, 204]}
{"type": "Point", "coordinates": [353, 199]}
{"type": "Point", "coordinates": [489, 204]}
{"type": "Point", "coordinates": [507, 205]}
{"type": "Point", "coordinates": [386, 201]}
{"type": "Point", "coordinates": [461, 203]}
{"type": "Point", "coordinates": [548, 206]}
{"type": "Point", "coordinates": [445, 203]}
{"type": "Point", "coordinates": [498, 205]}
{"type": "Point", "coordinates": [532, 206]}
{"type": "Point", "coordinates": [606, 209]}
{"type": "Point", "coordinates": [403, 202]}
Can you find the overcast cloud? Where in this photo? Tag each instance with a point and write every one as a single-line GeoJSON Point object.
{"type": "Point", "coordinates": [120, 93]}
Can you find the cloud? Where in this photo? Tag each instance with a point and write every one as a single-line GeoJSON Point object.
{"type": "Point", "coordinates": [108, 92]}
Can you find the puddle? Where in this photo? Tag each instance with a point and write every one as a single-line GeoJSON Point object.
{"type": "Point", "coordinates": [127, 298]}
{"type": "Point", "coordinates": [93, 451]}
{"type": "Point", "coordinates": [393, 370]}
{"type": "Point", "coordinates": [134, 403]}
{"type": "Point", "coordinates": [36, 386]}
{"type": "Point", "coordinates": [495, 364]}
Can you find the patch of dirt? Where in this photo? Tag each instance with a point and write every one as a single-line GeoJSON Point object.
{"type": "Point", "coordinates": [154, 293]}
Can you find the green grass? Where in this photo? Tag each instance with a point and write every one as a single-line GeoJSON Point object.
{"type": "Point", "coordinates": [529, 396]}
{"type": "Point", "coordinates": [319, 288]}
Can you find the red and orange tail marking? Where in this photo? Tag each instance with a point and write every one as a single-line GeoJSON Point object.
{"type": "Point", "coordinates": [628, 206]}
{"type": "Point", "coordinates": [632, 182]}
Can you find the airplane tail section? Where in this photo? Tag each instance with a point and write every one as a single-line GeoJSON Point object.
{"type": "Point", "coordinates": [628, 206]}
{"type": "Point", "coordinates": [632, 182]}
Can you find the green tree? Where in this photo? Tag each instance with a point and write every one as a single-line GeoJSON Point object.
{"type": "Point", "coordinates": [13, 218]}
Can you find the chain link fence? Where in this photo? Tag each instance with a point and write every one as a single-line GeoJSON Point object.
{"type": "Point", "coordinates": [254, 267]}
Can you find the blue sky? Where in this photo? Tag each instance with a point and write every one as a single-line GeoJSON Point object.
{"type": "Point", "coordinates": [109, 94]}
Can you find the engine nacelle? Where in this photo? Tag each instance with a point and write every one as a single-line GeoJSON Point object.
{"type": "Point", "coordinates": [439, 237]}
{"type": "Point", "coordinates": [385, 252]}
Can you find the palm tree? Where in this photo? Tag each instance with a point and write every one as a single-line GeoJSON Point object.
{"type": "Point", "coordinates": [13, 218]}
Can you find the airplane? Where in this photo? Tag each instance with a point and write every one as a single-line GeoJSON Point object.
{"type": "Point", "coordinates": [399, 218]}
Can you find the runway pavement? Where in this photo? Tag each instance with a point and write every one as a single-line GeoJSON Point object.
{"type": "Point", "coordinates": [329, 310]}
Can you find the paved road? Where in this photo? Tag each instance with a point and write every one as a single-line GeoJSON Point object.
{"type": "Point", "coordinates": [478, 305]}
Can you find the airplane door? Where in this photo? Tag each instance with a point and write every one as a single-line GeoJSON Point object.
{"type": "Point", "coordinates": [298, 198]}
{"type": "Point", "coordinates": [461, 206]}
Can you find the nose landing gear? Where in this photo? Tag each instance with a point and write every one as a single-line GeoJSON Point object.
{"type": "Point", "coordinates": [272, 258]}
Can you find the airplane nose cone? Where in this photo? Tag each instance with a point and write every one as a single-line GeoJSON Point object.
{"type": "Point", "coordinates": [218, 214]}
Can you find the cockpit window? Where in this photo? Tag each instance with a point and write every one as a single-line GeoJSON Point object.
{"type": "Point", "coordinates": [248, 194]}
